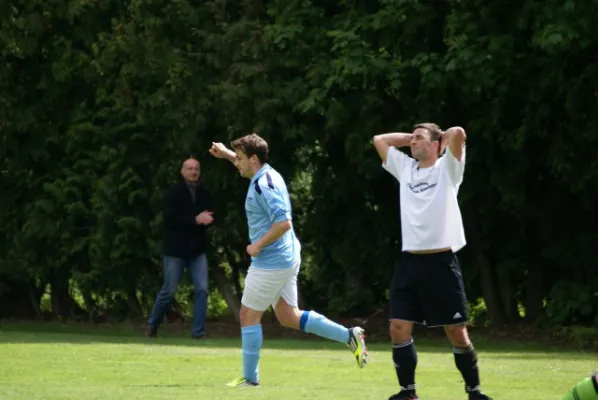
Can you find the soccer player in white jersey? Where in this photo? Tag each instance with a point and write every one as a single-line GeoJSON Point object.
{"type": "Point", "coordinates": [275, 261]}
{"type": "Point", "coordinates": [427, 286]}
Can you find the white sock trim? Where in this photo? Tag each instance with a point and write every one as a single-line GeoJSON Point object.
{"type": "Point", "coordinates": [404, 344]}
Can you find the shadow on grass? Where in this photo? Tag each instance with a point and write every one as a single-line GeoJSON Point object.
{"type": "Point", "coordinates": [129, 334]}
{"type": "Point", "coordinates": [162, 386]}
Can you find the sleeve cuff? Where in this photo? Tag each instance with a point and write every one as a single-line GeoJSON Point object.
{"type": "Point", "coordinates": [281, 217]}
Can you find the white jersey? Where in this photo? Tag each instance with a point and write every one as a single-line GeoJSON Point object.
{"type": "Point", "coordinates": [430, 214]}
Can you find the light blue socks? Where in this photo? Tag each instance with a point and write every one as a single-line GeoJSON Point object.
{"type": "Point", "coordinates": [312, 322]}
{"type": "Point", "coordinates": [251, 342]}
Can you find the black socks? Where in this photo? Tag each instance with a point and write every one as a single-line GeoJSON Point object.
{"type": "Point", "coordinates": [405, 360]}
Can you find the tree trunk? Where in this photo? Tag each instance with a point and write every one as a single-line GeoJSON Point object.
{"type": "Point", "coordinates": [90, 305]}
{"type": "Point", "coordinates": [35, 300]}
{"type": "Point", "coordinates": [225, 289]}
{"type": "Point", "coordinates": [134, 305]}
{"type": "Point", "coordinates": [300, 298]}
{"type": "Point", "coordinates": [16, 302]}
{"type": "Point", "coordinates": [235, 267]}
{"type": "Point", "coordinates": [494, 306]}
{"type": "Point", "coordinates": [237, 280]}
{"type": "Point", "coordinates": [507, 295]}
{"type": "Point", "coordinates": [534, 299]}
{"type": "Point", "coordinates": [176, 312]}
{"type": "Point", "coordinates": [60, 299]}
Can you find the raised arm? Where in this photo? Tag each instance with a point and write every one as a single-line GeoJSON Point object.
{"type": "Point", "coordinates": [454, 138]}
{"type": "Point", "coordinates": [384, 141]}
{"type": "Point", "coordinates": [219, 150]}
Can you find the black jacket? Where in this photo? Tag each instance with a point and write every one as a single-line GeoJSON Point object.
{"type": "Point", "coordinates": [183, 238]}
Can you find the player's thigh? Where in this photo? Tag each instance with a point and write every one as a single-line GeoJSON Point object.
{"type": "Point", "coordinates": [262, 288]}
{"type": "Point", "coordinates": [286, 305]}
{"type": "Point", "coordinates": [404, 302]}
{"type": "Point", "coordinates": [400, 331]}
{"type": "Point", "coordinates": [289, 316]}
{"type": "Point", "coordinates": [289, 292]}
{"type": "Point", "coordinates": [442, 292]}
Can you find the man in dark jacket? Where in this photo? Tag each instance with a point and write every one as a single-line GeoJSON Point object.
{"type": "Point", "coordinates": [187, 214]}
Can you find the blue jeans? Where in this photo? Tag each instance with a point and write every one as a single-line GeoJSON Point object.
{"type": "Point", "coordinates": [173, 271]}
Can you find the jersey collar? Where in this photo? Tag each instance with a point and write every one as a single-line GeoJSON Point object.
{"type": "Point", "coordinates": [265, 168]}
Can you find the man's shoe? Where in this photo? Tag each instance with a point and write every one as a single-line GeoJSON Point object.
{"type": "Point", "coordinates": [151, 331]}
{"type": "Point", "coordinates": [404, 395]}
{"type": "Point", "coordinates": [477, 395]}
{"type": "Point", "coordinates": [242, 382]}
{"type": "Point", "coordinates": [357, 346]}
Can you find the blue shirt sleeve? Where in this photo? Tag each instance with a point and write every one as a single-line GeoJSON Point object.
{"type": "Point", "coordinates": [275, 204]}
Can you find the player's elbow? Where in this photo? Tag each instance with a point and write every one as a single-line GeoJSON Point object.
{"type": "Point", "coordinates": [285, 225]}
{"type": "Point", "coordinates": [458, 134]}
{"type": "Point", "coordinates": [381, 147]}
{"type": "Point", "coordinates": [282, 226]}
{"type": "Point", "coordinates": [461, 134]}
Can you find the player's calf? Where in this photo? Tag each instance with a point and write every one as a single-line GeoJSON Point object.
{"type": "Point", "coordinates": [312, 322]}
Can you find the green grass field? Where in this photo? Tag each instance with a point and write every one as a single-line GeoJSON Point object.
{"type": "Point", "coordinates": [115, 365]}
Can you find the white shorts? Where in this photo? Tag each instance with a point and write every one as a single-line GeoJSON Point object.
{"type": "Point", "coordinates": [265, 287]}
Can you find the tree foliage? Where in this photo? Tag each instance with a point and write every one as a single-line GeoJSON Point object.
{"type": "Point", "coordinates": [101, 101]}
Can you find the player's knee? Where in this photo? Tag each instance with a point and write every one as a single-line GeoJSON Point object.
{"type": "Point", "coordinates": [286, 322]}
{"type": "Point", "coordinates": [201, 289]}
{"type": "Point", "coordinates": [168, 291]}
{"type": "Point", "coordinates": [288, 318]}
{"type": "Point", "coordinates": [243, 316]}
{"type": "Point", "coordinates": [457, 335]}
{"type": "Point", "coordinates": [249, 316]}
{"type": "Point", "coordinates": [400, 331]}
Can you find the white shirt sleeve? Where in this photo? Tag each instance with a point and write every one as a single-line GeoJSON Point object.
{"type": "Point", "coordinates": [395, 162]}
{"type": "Point", "coordinates": [454, 167]}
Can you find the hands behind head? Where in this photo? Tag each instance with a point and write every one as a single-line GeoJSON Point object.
{"type": "Point", "coordinates": [443, 142]}
{"type": "Point", "coordinates": [446, 136]}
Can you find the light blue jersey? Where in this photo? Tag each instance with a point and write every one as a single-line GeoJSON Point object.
{"type": "Point", "coordinates": [268, 202]}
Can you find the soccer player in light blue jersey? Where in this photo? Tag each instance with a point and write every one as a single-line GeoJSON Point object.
{"type": "Point", "coordinates": [275, 260]}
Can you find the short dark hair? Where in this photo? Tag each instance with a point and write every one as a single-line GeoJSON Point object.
{"type": "Point", "coordinates": [252, 144]}
{"type": "Point", "coordinates": [433, 129]}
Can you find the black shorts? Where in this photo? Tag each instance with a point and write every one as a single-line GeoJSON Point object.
{"type": "Point", "coordinates": [428, 289]}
